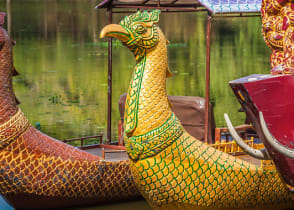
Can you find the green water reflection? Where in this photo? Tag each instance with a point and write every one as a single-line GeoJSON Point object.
{"type": "Point", "coordinates": [63, 63]}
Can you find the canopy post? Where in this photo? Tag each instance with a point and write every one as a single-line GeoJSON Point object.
{"type": "Point", "coordinates": [8, 10]}
{"type": "Point", "coordinates": [207, 78]}
{"type": "Point", "coordinates": [109, 90]}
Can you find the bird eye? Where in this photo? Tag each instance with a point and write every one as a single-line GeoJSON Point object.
{"type": "Point", "coordinates": [140, 29]}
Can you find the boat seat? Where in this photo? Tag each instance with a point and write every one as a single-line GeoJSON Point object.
{"type": "Point", "coordinates": [189, 109]}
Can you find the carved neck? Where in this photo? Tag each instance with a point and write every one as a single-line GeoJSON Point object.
{"type": "Point", "coordinates": [8, 105]}
{"type": "Point", "coordinates": [150, 108]}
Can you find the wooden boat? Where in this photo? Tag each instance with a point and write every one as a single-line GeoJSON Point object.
{"type": "Point", "coordinates": [38, 171]}
{"type": "Point", "coordinates": [37, 167]}
{"type": "Point", "coordinates": [266, 98]}
{"type": "Point", "coordinates": [170, 167]}
{"type": "Point", "coordinates": [40, 156]}
{"type": "Point", "coordinates": [26, 153]}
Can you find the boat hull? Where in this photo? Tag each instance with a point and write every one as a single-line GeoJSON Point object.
{"type": "Point", "coordinates": [31, 201]}
{"type": "Point", "coordinates": [181, 206]}
{"type": "Point", "coordinates": [37, 171]}
{"type": "Point", "coordinates": [273, 96]}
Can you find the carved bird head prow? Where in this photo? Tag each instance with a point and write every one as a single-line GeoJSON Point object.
{"type": "Point", "coordinates": [136, 31]}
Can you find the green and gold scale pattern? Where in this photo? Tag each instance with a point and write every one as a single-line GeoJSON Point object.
{"type": "Point", "coordinates": [149, 144]}
{"type": "Point", "coordinates": [191, 172]}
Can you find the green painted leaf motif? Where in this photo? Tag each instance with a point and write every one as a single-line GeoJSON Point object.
{"type": "Point", "coordinates": [155, 141]}
{"type": "Point", "coordinates": [132, 100]}
{"type": "Point", "coordinates": [155, 15]}
{"type": "Point", "coordinates": [142, 17]}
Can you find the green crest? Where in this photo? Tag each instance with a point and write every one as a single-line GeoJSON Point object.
{"type": "Point", "coordinates": [142, 29]}
{"type": "Point", "coordinates": [139, 16]}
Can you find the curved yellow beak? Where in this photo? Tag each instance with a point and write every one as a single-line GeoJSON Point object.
{"type": "Point", "coordinates": [116, 31]}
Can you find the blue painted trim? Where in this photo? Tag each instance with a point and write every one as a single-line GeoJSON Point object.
{"type": "Point", "coordinates": [4, 205]}
{"type": "Point", "coordinates": [232, 6]}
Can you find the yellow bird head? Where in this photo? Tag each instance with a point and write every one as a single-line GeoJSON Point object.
{"type": "Point", "coordinates": [139, 30]}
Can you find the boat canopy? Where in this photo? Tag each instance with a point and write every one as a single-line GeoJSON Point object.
{"type": "Point", "coordinates": [213, 6]}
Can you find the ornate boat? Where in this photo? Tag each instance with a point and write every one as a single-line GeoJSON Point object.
{"type": "Point", "coordinates": [37, 167]}
{"type": "Point", "coordinates": [38, 171]}
{"type": "Point", "coordinates": [266, 98]}
{"type": "Point", "coordinates": [170, 167]}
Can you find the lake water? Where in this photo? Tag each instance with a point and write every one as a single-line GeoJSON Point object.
{"type": "Point", "coordinates": [63, 63]}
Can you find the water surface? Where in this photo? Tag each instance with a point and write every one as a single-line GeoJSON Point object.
{"type": "Point", "coordinates": [63, 63]}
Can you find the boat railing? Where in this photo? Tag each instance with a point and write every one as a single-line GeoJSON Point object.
{"type": "Point", "coordinates": [232, 147]}
{"type": "Point", "coordinates": [113, 147]}
{"type": "Point", "coordinates": [225, 143]}
{"type": "Point", "coordinates": [83, 139]}
{"type": "Point", "coordinates": [243, 130]}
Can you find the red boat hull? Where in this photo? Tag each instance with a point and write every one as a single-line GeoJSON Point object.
{"type": "Point", "coordinates": [274, 97]}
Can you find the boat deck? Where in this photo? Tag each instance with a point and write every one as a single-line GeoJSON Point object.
{"type": "Point", "coordinates": [110, 155]}
{"type": "Point", "coordinates": [249, 159]}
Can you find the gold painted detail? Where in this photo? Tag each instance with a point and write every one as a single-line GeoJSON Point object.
{"type": "Point", "coordinates": [153, 142]}
{"type": "Point", "coordinates": [241, 95]}
{"type": "Point", "coordinates": [290, 188]}
{"type": "Point", "coordinates": [277, 29]}
{"type": "Point", "coordinates": [12, 129]}
{"type": "Point", "coordinates": [268, 165]}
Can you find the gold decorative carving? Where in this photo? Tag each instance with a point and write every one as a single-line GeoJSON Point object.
{"type": "Point", "coordinates": [13, 128]}
{"type": "Point", "coordinates": [277, 29]}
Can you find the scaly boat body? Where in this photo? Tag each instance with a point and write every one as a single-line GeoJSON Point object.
{"type": "Point", "coordinates": [170, 167]}
{"type": "Point", "coordinates": [38, 171]}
